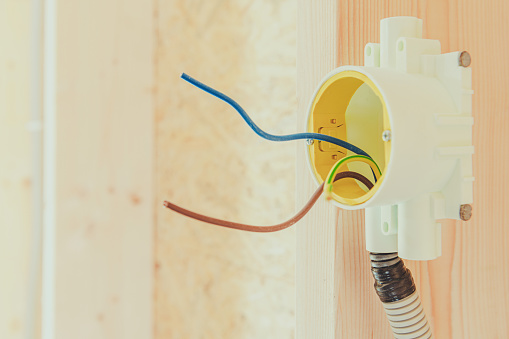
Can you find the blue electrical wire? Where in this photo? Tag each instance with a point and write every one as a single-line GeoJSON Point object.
{"type": "Point", "coordinates": [262, 133]}
{"type": "Point", "coordinates": [268, 136]}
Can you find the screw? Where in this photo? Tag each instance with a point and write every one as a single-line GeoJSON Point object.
{"type": "Point", "coordinates": [465, 212]}
{"type": "Point", "coordinates": [387, 135]}
{"type": "Point", "coordinates": [464, 59]}
{"type": "Point", "coordinates": [310, 142]}
{"type": "Point", "coordinates": [333, 121]}
{"type": "Point", "coordinates": [334, 156]}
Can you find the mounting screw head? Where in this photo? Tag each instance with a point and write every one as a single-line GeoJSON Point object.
{"type": "Point", "coordinates": [310, 142]}
{"type": "Point", "coordinates": [387, 135]}
{"type": "Point", "coordinates": [464, 59]}
{"type": "Point", "coordinates": [465, 212]}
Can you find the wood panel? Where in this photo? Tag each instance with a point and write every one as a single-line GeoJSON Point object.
{"type": "Point", "coordinates": [15, 169]}
{"type": "Point", "coordinates": [315, 274]}
{"type": "Point", "coordinates": [213, 282]}
{"type": "Point", "coordinates": [464, 292]}
{"type": "Point", "coordinates": [98, 169]}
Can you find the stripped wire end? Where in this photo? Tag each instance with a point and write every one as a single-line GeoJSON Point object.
{"type": "Point", "coordinates": [327, 191]}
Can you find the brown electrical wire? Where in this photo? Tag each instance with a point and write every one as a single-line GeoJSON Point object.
{"type": "Point", "coordinates": [273, 228]}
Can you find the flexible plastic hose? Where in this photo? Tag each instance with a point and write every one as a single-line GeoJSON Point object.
{"type": "Point", "coordinates": [396, 289]}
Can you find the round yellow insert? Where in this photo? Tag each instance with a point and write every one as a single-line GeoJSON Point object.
{"type": "Point", "coordinates": [350, 107]}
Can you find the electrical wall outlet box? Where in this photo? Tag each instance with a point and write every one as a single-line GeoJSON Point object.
{"type": "Point", "coordinates": [410, 108]}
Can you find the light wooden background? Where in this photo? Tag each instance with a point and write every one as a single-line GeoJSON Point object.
{"type": "Point", "coordinates": [98, 174]}
{"type": "Point", "coordinates": [466, 291]}
{"type": "Point", "coordinates": [15, 167]}
{"type": "Point", "coordinates": [213, 282]}
{"type": "Point", "coordinates": [131, 134]}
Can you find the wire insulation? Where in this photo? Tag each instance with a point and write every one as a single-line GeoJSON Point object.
{"type": "Point", "coordinates": [274, 228]}
{"type": "Point", "coordinates": [262, 133]}
{"type": "Point", "coordinates": [343, 161]}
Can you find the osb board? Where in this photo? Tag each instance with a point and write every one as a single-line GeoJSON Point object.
{"type": "Point", "coordinates": [15, 169]}
{"type": "Point", "coordinates": [465, 292]}
{"type": "Point", "coordinates": [213, 282]}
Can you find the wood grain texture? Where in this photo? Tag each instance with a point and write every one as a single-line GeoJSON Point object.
{"type": "Point", "coordinates": [465, 292]}
{"type": "Point", "coordinates": [15, 167]}
{"type": "Point", "coordinates": [213, 282]}
{"type": "Point", "coordinates": [315, 274]}
{"type": "Point", "coordinates": [103, 200]}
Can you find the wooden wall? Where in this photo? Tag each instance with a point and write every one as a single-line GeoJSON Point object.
{"type": "Point", "coordinates": [465, 292]}
{"type": "Point", "coordinates": [129, 134]}
{"type": "Point", "coordinates": [98, 180]}
{"type": "Point", "coordinates": [213, 282]}
{"type": "Point", "coordinates": [15, 168]}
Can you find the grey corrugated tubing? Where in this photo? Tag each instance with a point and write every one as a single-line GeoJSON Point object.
{"type": "Point", "coordinates": [396, 289]}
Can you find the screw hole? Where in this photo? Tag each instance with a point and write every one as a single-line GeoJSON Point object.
{"type": "Point", "coordinates": [386, 135]}
{"type": "Point", "coordinates": [368, 51]}
{"type": "Point", "coordinates": [401, 46]}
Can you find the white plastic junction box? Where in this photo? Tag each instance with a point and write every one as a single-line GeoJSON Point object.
{"type": "Point", "coordinates": [410, 108]}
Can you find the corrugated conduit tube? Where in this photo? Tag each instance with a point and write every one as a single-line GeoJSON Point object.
{"type": "Point", "coordinates": [396, 289]}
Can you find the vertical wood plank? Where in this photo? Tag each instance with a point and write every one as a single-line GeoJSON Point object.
{"type": "Point", "coordinates": [464, 292]}
{"type": "Point", "coordinates": [100, 192]}
{"type": "Point", "coordinates": [15, 168]}
{"type": "Point", "coordinates": [317, 46]}
{"type": "Point", "coordinates": [477, 292]}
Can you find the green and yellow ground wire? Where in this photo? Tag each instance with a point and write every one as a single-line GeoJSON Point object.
{"type": "Point", "coordinates": [327, 188]}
